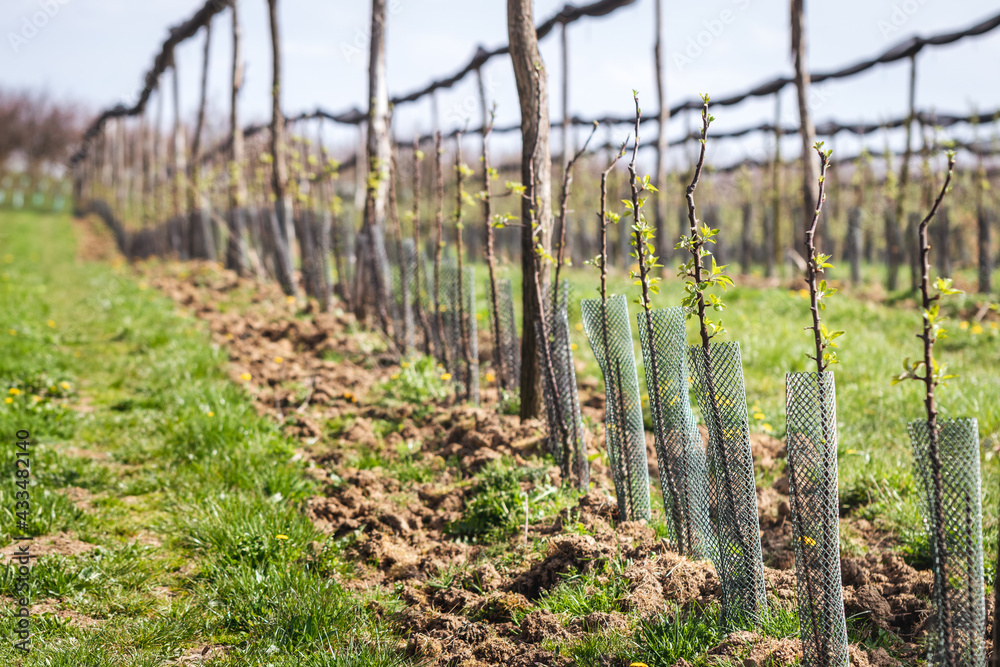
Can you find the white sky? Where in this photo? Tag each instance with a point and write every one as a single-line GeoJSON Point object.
{"type": "Point", "coordinates": [96, 52]}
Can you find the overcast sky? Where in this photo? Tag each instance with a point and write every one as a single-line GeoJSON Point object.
{"type": "Point", "coordinates": [95, 52]}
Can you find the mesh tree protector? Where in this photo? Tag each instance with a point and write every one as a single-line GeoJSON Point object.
{"type": "Point", "coordinates": [811, 408]}
{"type": "Point", "coordinates": [957, 562]}
{"type": "Point", "coordinates": [566, 439]}
{"type": "Point", "coordinates": [718, 380]}
{"type": "Point", "coordinates": [468, 374]}
{"type": "Point", "coordinates": [509, 345]}
{"type": "Point", "coordinates": [624, 432]}
{"type": "Point", "coordinates": [680, 454]}
{"type": "Point", "coordinates": [403, 273]}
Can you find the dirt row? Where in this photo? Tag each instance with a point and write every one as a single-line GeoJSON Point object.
{"type": "Point", "coordinates": [309, 369]}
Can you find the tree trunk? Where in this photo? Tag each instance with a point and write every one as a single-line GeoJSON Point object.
{"type": "Point", "coordinates": [810, 186]}
{"type": "Point", "coordinates": [661, 201]}
{"type": "Point", "coordinates": [536, 176]}
{"type": "Point", "coordinates": [236, 251]}
{"type": "Point", "coordinates": [281, 226]}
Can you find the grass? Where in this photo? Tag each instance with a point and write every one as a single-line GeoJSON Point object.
{"type": "Point", "coordinates": [193, 500]}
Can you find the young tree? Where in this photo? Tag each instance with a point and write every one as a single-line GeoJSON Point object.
{"type": "Point", "coordinates": [532, 92]}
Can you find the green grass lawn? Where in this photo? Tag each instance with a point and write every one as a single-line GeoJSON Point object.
{"type": "Point", "coordinates": [192, 500]}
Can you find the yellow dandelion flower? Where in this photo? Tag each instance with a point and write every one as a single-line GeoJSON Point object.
{"type": "Point", "coordinates": [767, 427]}
{"type": "Point", "coordinates": [638, 664]}
{"type": "Point", "coordinates": [289, 299]}
{"type": "Point", "coordinates": [579, 326]}
{"type": "Point", "coordinates": [230, 336]}
{"type": "Point", "coordinates": [211, 414]}
{"type": "Point", "coordinates": [804, 293]}
{"type": "Point", "coordinates": [281, 537]}
{"type": "Point", "coordinates": [994, 326]}
{"type": "Point", "coordinates": [52, 324]}
{"type": "Point", "coordinates": [64, 385]}
{"type": "Point", "coordinates": [490, 377]}
{"type": "Point", "coordinates": [573, 346]}
{"type": "Point", "coordinates": [850, 451]}
{"type": "Point", "coordinates": [12, 332]}
{"type": "Point", "coordinates": [354, 399]}
{"type": "Point", "coordinates": [8, 400]}
{"type": "Point", "coordinates": [963, 325]}
{"type": "Point", "coordinates": [445, 376]}
{"type": "Point", "coordinates": [246, 377]}
{"type": "Point", "coordinates": [405, 364]}
{"type": "Point", "coordinates": [14, 391]}
{"type": "Point", "coordinates": [758, 416]}
{"type": "Point", "coordinates": [36, 398]}
{"type": "Point", "coordinates": [52, 389]}
{"type": "Point", "coordinates": [279, 360]}
{"type": "Point", "coordinates": [808, 541]}
{"type": "Point", "coordinates": [395, 376]}
{"type": "Point", "coordinates": [143, 287]}
{"type": "Point", "coordinates": [976, 329]}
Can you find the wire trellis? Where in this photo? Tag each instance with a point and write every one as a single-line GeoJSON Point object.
{"type": "Point", "coordinates": [811, 408]}
{"type": "Point", "coordinates": [680, 453]}
{"type": "Point", "coordinates": [623, 425]}
{"type": "Point", "coordinates": [958, 640]}
{"type": "Point", "coordinates": [718, 379]}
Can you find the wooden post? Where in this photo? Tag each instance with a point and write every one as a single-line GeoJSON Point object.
{"type": "Point", "coordinates": [204, 246]}
{"type": "Point", "coordinates": [775, 260]}
{"type": "Point", "coordinates": [661, 201]}
{"type": "Point", "coordinates": [810, 185]}
{"type": "Point", "coordinates": [180, 236]}
{"type": "Point", "coordinates": [281, 224]}
{"type": "Point", "coordinates": [236, 250]}
{"type": "Point", "coordinates": [901, 192]}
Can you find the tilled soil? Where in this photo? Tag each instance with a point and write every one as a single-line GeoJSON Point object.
{"type": "Point", "coordinates": [463, 604]}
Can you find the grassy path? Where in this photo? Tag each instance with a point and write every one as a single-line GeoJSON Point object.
{"type": "Point", "coordinates": [164, 509]}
